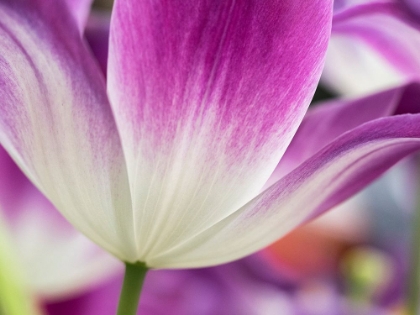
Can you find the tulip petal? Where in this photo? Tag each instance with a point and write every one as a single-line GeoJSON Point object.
{"type": "Point", "coordinates": [207, 95]}
{"type": "Point", "coordinates": [374, 45]}
{"type": "Point", "coordinates": [56, 122]}
{"type": "Point", "coordinates": [354, 68]}
{"type": "Point", "coordinates": [413, 6]}
{"type": "Point", "coordinates": [340, 116]}
{"type": "Point", "coordinates": [56, 258]}
{"type": "Point", "coordinates": [80, 10]}
{"type": "Point", "coordinates": [339, 170]}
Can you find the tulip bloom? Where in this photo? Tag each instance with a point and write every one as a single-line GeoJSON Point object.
{"type": "Point", "coordinates": [192, 141]}
{"type": "Point", "coordinates": [374, 45]}
{"type": "Point", "coordinates": [252, 282]}
{"type": "Point", "coordinates": [204, 98]}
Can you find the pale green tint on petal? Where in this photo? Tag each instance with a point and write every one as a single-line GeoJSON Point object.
{"type": "Point", "coordinates": [14, 298]}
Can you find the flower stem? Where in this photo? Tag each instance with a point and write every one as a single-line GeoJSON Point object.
{"type": "Point", "coordinates": [414, 272]}
{"type": "Point", "coordinates": [131, 288]}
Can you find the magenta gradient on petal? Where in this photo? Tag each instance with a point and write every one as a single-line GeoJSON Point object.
{"type": "Point", "coordinates": [325, 122]}
{"type": "Point", "coordinates": [207, 102]}
{"type": "Point", "coordinates": [361, 146]}
{"type": "Point", "coordinates": [235, 61]}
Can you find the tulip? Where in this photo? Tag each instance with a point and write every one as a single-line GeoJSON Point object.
{"type": "Point", "coordinates": [252, 283]}
{"type": "Point", "coordinates": [166, 169]}
{"type": "Point", "coordinates": [188, 149]}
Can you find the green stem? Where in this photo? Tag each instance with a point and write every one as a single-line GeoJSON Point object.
{"type": "Point", "coordinates": [131, 288]}
{"type": "Point", "coordinates": [414, 274]}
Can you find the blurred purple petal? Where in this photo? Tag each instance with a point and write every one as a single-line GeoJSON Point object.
{"type": "Point", "coordinates": [247, 287]}
{"type": "Point", "coordinates": [374, 45]}
{"type": "Point", "coordinates": [80, 10]}
{"type": "Point", "coordinates": [413, 6]}
{"type": "Point", "coordinates": [325, 122]}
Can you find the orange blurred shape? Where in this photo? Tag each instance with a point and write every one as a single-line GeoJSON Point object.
{"type": "Point", "coordinates": [314, 249]}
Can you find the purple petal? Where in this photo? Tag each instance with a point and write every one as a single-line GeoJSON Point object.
{"type": "Point", "coordinates": [374, 45]}
{"type": "Point", "coordinates": [335, 173]}
{"type": "Point", "coordinates": [13, 184]}
{"type": "Point", "coordinates": [340, 116]}
{"type": "Point", "coordinates": [80, 10]}
{"type": "Point", "coordinates": [413, 6]}
{"type": "Point", "coordinates": [207, 96]}
{"type": "Point", "coordinates": [56, 122]}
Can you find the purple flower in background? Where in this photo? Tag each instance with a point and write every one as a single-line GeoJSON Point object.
{"type": "Point", "coordinates": [374, 45]}
{"type": "Point", "coordinates": [169, 171]}
{"type": "Point", "coordinates": [249, 286]}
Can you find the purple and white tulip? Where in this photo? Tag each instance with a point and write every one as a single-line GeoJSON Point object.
{"type": "Point", "coordinates": [204, 99]}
